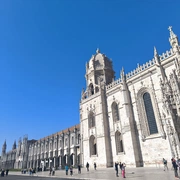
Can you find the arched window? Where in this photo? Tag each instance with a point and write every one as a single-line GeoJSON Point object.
{"type": "Point", "coordinates": [150, 114]}
{"type": "Point", "coordinates": [42, 147]}
{"type": "Point", "coordinates": [115, 112]}
{"type": "Point", "coordinates": [92, 143]}
{"type": "Point", "coordinates": [72, 140]}
{"type": "Point", "coordinates": [119, 142]}
{"type": "Point", "coordinates": [91, 119]}
{"type": "Point", "coordinates": [66, 142]}
{"type": "Point", "coordinates": [60, 143]}
{"type": "Point", "coordinates": [91, 89]}
{"type": "Point", "coordinates": [50, 146]}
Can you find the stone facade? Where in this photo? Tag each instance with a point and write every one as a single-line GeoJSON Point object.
{"type": "Point", "coordinates": [16, 158]}
{"type": "Point", "coordinates": [55, 150]}
{"type": "Point", "coordinates": [136, 118]}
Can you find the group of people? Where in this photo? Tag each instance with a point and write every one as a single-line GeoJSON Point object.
{"type": "Point", "coordinates": [4, 172]}
{"type": "Point", "coordinates": [175, 166]}
{"type": "Point", "coordinates": [122, 168]}
{"type": "Point", "coordinates": [67, 168]}
{"type": "Point", "coordinates": [87, 166]}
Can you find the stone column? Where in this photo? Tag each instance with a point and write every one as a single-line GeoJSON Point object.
{"type": "Point", "coordinates": [66, 159]}
{"type": "Point", "coordinates": [60, 160]}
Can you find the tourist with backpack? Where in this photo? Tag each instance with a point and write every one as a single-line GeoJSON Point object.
{"type": "Point", "coordinates": [165, 164]}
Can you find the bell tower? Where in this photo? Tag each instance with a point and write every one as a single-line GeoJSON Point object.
{"type": "Point", "coordinates": [98, 69]}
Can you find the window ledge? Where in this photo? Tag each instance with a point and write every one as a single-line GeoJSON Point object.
{"type": "Point", "coordinates": [153, 136]}
{"type": "Point", "coordinates": [94, 155]}
{"type": "Point", "coordinates": [121, 153]}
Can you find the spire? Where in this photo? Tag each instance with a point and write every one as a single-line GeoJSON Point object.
{"type": "Point", "coordinates": [122, 74]}
{"type": "Point", "coordinates": [156, 55]}
{"type": "Point", "coordinates": [155, 52]}
{"type": "Point", "coordinates": [4, 147]}
{"type": "Point", "coordinates": [172, 35]}
{"type": "Point", "coordinates": [97, 50]}
{"type": "Point", "coordinates": [173, 39]}
{"type": "Point", "coordinates": [4, 143]}
{"type": "Point", "coordinates": [14, 145]}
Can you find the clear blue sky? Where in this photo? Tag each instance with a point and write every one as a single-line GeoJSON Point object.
{"type": "Point", "coordinates": [45, 44]}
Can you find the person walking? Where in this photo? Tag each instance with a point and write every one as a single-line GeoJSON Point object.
{"type": "Point", "coordinates": [79, 169]}
{"type": "Point", "coordinates": [120, 166]}
{"type": "Point", "coordinates": [87, 166]}
{"type": "Point", "coordinates": [175, 166]}
{"type": "Point", "coordinates": [165, 164]}
{"type": "Point", "coordinates": [7, 171]}
{"type": "Point", "coordinates": [66, 168]}
{"type": "Point", "coordinates": [95, 166]}
{"type": "Point", "coordinates": [116, 168]}
{"type": "Point", "coordinates": [123, 170]}
{"type": "Point", "coordinates": [50, 171]}
{"type": "Point", "coordinates": [71, 170]}
{"type": "Point", "coordinates": [178, 163]}
{"type": "Point", "coordinates": [2, 173]}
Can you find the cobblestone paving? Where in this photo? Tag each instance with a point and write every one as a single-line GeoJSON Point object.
{"type": "Point", "coordinates": [107, 174]}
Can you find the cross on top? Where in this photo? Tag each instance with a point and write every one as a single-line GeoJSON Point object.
{"type": "Point", "coordinates": [170, 28]}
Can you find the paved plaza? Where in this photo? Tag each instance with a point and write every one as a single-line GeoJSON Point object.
{"type": "Point", "coordinates": [102, 174]}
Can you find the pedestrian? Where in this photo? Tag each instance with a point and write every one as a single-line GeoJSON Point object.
{"type": "Point", "coordinates": [123, 170]}
{"type": "Point", "coordinates": [30, 171]}
{"type": "Point", "coordinates": [50, 171]}
{"type": "Point", "coordinates": [66, 168]}
{"type": "Point", "coordinates": [95, 166]}
{"type": "Point", "coordinates": [178, 163]}
{"type": "Point", "coordinates": [7, 170]}
{"type": "Point", "coordinates": [175, 166]}
{"type": "Point", "coordinates": [165, 164]}
{"type": "Point", "coordinates": [33, 171]}
{"type": "Point", "coordinates": [120, 166]}
{"type": "Point", "coordinates": [71, 170]}
{"type": "Point", "coordinates": [116, 168]}
{"type": "Point", "coordinates": [87, 166]}
{"type": "Point", "coordinates": [2, 173]}
{"type": "Point", "coordinates": [79, 169]}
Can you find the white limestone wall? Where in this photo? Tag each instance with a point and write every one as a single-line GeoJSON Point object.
{"type": "Point", "coordinates": [95, 105]}
{"type": "Point", "coordinates": [154, 148]}
{"type": "Point", "coordinates": [122, 126]}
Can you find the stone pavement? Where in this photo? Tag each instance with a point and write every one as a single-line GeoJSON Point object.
{"type": "Point", "coordinates": [142, 173]}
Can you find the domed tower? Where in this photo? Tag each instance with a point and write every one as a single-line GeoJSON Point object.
{"type": "Point", "coordinates": [98, 69]}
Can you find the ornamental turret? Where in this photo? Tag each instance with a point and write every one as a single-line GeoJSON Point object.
{"type": "Point", "coordinates": [173, 39]}
{"type": "Point", "coordinates": [4, 148]}
{"type": "Point", "coordinates": [14, 146]}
